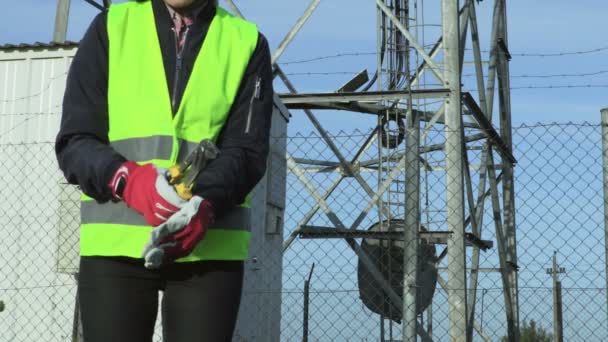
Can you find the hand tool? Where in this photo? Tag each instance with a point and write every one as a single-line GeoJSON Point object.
{"type": "Point", "coordinates": [182, 175]}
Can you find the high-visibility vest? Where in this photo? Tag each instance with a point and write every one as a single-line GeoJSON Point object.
{"type": "Point", "coordinates": [142, 126]}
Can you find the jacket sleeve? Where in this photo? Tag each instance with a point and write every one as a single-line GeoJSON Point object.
{"type": "Point", "coordinates": [82, 145]}
{"type": "Point", "coordinates": [244, 139]}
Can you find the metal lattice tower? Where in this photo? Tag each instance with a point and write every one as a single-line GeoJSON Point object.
{"type": "Point", "coordinates": [401, 103]}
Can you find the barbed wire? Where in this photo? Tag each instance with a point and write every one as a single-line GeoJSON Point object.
{"type": "Point", "coordinates": [32, 113]}
{"type": "Point", "coordinates": [322, 73]}
{"type": "Point", "coordinates": [18, 144]}
{"type": "Point", "coordinates": [44, 89]}
{"type": "Point", "coordinates": [14, 127]}
{"type": "Point", "coordinates": [35, 287]}
{"type": "Point", "coordinates": [582, 74]}
{"type": "Point", "coordinates": [559, 124]}
{"type": "Point", "coordinates": [559, 54]}
{"type": "Point", "coordinates": [324, 57]}
{"type": "Point", "coordinates": [558, 86]}
{"type": "Point", "coordinates": [520, 54]}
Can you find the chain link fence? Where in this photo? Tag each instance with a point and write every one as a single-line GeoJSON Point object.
{"type": "Point", "coordinates": [559, 206]}
{"type": "Point", "coordinates": [559, 212]}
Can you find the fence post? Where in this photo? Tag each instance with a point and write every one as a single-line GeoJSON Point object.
{"type": "Point", "coordinates": [558, 324]}
{"type": "Point", "coordinates": [605, 173]}
{"type": "Point", "coordinates": [61, 21]}
{"type": "Point", "coordinates": [306, 303]}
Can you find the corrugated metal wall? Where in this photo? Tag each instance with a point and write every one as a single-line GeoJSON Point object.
{"type": "Point", "coordinates": [31, 89]}
{"type": "Point", "coordinates": [39, 300]}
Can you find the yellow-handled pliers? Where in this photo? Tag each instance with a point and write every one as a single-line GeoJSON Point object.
{"type": "Point", "coordinates": [182, 175]}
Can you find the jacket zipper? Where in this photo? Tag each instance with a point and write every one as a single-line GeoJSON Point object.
{"type": "Point", "coordinates": [178, 68]}
{"type": "Point", "coordinates": [257, 92]}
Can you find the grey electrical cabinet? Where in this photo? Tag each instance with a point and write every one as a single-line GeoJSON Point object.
{"type": "Point", "coordinates": [260, 313]}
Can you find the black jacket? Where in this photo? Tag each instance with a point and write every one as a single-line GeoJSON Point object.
{"type": "Point", "coordinates": [82, 145]}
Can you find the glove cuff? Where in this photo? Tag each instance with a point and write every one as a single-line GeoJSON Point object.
{"type": "Point", "coordinates": [207, 207]}
{"type": "Point", "coordinates": [118, 183]}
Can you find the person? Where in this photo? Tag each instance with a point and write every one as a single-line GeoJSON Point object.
{"type": "Point", "coordinates": [150, 80]}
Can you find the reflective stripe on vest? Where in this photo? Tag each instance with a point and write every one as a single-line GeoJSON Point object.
{"type": "Point", "coordinates": [118, 213]}
{"type": "Point", "coordinates": [151, 148]}
{"type": "Point", "coordinates": [123, 240]}
{"type": "Point", "coordinates": [143, 128]}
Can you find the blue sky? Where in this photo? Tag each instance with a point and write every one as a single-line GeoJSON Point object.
{"type": "Point", "coordinates": [349, 26]}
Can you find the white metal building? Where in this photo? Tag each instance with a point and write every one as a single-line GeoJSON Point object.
{"type": "Point", "coordinates": [39, 212]}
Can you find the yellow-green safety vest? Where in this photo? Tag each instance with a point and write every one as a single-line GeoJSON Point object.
{"type": "Point", "coordinates": [142, 126]}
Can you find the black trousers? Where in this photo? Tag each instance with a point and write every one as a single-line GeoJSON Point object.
{"type": "Point", "coordinates": [119, 300]}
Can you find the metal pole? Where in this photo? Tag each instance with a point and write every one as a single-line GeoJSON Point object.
{"type": "Point", "coordinates": [306, 303]}
{"type": "Point", "coordinates": [501, 244]}
{"type": "Point", "coordinates": [484, 164]}
{"type": "Point", "coordinates": [381, 30]}
{"type": "Point", "coordinates": [605, 171]}
{"type": "Point", "coordinates": [556, 334]}
{"type": "Point", "coordinates": [382, 328]}
{"type": "Point", "coordinates": [463, 27]}
{"type": "Point", "coordinates": [483, 294]}
{"type": "Point", "coordinates": [61, 21]}
{"type": "Point", "coordinates": [412, 208]}
{"type": "Point", "coordinates": [457, 296]}
{"type": "Point", "coordinates": [412, 223]}
{"type": "Point", "coordinates": [429, 318]}
{"type": "Point", "coordinates": [444, 285]}
{"type": "Point", "coordinates": [477, 59]}
{"type": "Point", "coordinates": [379, 84]}
{"type": "Point", "coordinates": [472, 295]}
{"type": "Point", "coordinates": [77, 322]}
{"type": "Point", "coordinates": [557, 301]}
{"type": "Point", "coordinates": [476, 229]}
{"type": "Point", "coordinates": [491, 82]}
{"type": "Point", "coordinates": [560, 317]}
{"type": "Point", "coordinates": [508, 172]}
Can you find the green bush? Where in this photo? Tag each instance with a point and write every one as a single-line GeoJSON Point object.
{"type": "Point", "coordinates": [531, 332]}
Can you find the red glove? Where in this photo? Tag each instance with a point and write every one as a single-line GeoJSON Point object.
{"type": "Point", "coordinates": [177, 237]}
{"type": "Point", "coordinates": [145, 189]}
{"type": "Point", "coordinates": [182, 243]}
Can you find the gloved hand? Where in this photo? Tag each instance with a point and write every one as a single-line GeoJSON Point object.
{"type": "Point", "coordinates": [177, 237]}
{"type": "Point", "coordinates": [146, 190]}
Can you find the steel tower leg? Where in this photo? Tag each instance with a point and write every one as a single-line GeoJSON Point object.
{"type": "Point", "coordinates": [457, 297]}
{"type": "Point", "coordinates": [509, 179]}
{"type": "Point", "coordinates": [412, 225]}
